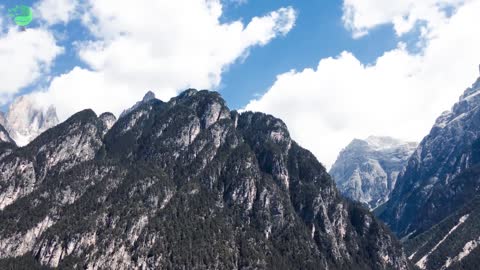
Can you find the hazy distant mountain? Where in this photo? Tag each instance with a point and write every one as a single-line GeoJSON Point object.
{"type": "Point", "coordinates": [366, 170]}
{"type": "Point", "coordinates": [184, 184]}
{"type": "Point", "coordinates": [25, 119]}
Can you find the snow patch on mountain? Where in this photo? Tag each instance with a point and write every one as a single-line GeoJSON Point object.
{"type": "Point", "coordinates": [422, 262]}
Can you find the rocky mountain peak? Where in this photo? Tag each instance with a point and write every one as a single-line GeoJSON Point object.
{"type": "Point", "coordinates": [366, 170]}
{"type": "Point", "coordinates": [209, 106]}
{"type": "Point", "coordinates": [187, 93]}
{"type": "Point", "coordinates": [385, 142]}
{"type": "Point", "coordinates": [148, 96]}
{"type": "Point", "coordinates": [108, 119]}
{"type": "Point", "coordinates": [26, 119]}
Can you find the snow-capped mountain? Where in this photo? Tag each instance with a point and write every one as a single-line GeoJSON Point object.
{"type": "Point", "coordinates": [366, 170]}
{"type": "Point", "coordinates": [26, 119]}
{"type": "Point", "coordinates": [184, 184]}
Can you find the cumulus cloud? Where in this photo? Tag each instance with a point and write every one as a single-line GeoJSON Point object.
{"type": "Point", "coordinates": [399, 95]}
{"type": "Point", "coordinates": [164, 46]}
{"type": "Point", "coordinates": [362, 15]}
{"type": "Point", "coordinates": [24, 57]}
{"type": "Point", "coordinates": [56, 11]}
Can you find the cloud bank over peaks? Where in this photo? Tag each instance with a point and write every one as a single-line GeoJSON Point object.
{"type": "Point", "coordinates": [157, 45]}
{"type": "Point", "coordinates": [24, 57]}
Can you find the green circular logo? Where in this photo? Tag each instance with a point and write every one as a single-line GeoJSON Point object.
{"type": "Point", "coordinates": [21, 15]}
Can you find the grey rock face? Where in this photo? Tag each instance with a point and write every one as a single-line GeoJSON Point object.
{"type": "Point", "coordinates": [148, 96]}
{"type": "Point", "coordinates": [108, 120]}
{"type": "Point", "coordinates": [366, 170]}
{"type": "Point", "coordinates": [4, 136]}
{"type": "Point", "coordinates": [6, 143]}
{"type": "Point", "coordinates": [3, 121]}
{"type": "Point", "coordinates": [75, 141]}
{"type": "Point", "coordinates": [423, 195]}
{"type": "Point", "coordinates": [184, 184]}
{"type": "Point", "coordinates": [25, 120]}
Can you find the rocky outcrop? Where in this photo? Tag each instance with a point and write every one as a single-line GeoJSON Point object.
{"type": "Point", "coordinates": [366, 170]}
{"type": "Point", "coordinates": [148, 96]}
{"type": "Point", "coordinates": [108, 119]}
{"type": "Point", "coordinates": [185, 184]}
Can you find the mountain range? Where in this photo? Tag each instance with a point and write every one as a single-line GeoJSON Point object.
{"type": "Point", "coordinates": [183, 184]}
{"type": "Point", "coordinates": [190, 184]}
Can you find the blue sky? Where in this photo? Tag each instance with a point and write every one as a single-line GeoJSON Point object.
{"type": "Point", "coordinates": [318, 33]}
{"type": "Point", "coordinates": [332, 70]}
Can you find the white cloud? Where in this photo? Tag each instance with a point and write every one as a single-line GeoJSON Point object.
{"type": "Point", "coordinates": [400, 95]}
{"type": "Point", "coordinates": [24, 57]}
{"type": "Point", "coordinates": [236, 2]}
{"type": "Point", "coordinates": [56, 11]}
{"type": "Point", "coordinates": [362, 15]}
{"type": "Point", "coordinates": [164, 46]}
{"type": "Point", "coordinates": [80, 89]}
